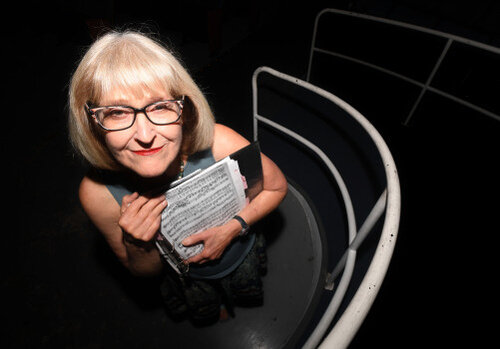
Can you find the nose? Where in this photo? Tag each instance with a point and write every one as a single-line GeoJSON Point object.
{"type": "Point", "coordinates": [144, 129]}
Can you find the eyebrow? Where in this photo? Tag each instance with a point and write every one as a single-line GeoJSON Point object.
{"type": "Point", "coordinates": [125, 103]}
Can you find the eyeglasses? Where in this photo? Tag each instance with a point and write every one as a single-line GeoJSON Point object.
{"type": "Point", "coordinates": [121, 117]}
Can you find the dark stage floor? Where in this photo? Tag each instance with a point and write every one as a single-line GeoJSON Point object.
{"type": "Point", "coordinates": [63, 288]}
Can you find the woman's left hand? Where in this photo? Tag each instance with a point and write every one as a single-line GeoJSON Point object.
{"type": "Point", "coordinates": [215, 241]}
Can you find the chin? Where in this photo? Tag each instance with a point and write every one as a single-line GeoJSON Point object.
{"type": "Point", "coordinates": [150, 172]}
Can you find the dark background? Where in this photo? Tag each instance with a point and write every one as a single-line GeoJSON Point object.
{"type": "Point", "coordinates": [439, 285]}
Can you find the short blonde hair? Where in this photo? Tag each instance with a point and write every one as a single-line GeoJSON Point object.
{"type": "Point", "coordinates": [136, 63]}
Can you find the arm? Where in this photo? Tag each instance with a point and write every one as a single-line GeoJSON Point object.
{"type": "Point", "coordinates": [129, 228]}
{"type": "Point", "coordinates": [226, 142]}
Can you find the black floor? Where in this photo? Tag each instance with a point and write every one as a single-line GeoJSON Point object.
{"type": "Point", "coordinates": [59, 275]}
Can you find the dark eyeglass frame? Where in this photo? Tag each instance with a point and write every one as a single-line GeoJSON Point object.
{"type": "Point", "coordinates": [91, 111]}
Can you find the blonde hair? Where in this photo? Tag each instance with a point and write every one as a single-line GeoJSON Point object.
{"type": "Point", "coordinates": [138, 64]}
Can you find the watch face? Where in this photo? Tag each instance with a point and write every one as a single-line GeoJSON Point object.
{"type": "Point", "coordinates": [243, 232]}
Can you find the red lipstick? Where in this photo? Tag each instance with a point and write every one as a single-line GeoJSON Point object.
{"type": "Point", "coordinates": [147, 152]}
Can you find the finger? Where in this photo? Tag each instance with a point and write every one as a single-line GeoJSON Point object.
{"type": "Point", "coordinates": [156, 204]}
{"type": "Point", "coordinates": [162, 204]}
{"type": "Point", "coordinates": [141, 230]}
{"type": "Point", "coordinates": [143, 217]}
{"type": "Point", "coordinates": [194, 239]}
{"type": "Point", "coordinates": [153, 226]}
{"type": "Point", "coordinates": [142, 206]}
{"type": "Point", "coordinates": [199, 258]}
{"type": "Point", "coordinates": [149, 220]}
{"type": "Point", "coordinates": [156, 208]}
{"type": "Point", "coordinates": [203, 258]}
{"type": "Point", "coordinates": [134, 206]}
{"type": "Point", "coordinates": [127, 200]}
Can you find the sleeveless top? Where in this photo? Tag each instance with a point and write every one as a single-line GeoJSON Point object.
{"type": "Point", "coordinates": [235, 252]}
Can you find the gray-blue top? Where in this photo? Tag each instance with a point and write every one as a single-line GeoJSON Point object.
{"type": "Point", "coordinates": [234, 253]}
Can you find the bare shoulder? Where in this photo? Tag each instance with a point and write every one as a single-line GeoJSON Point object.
{"type": "Point", "coordinates": [96, 200]}
{"type": "Point", "coordinates": [226, 141]}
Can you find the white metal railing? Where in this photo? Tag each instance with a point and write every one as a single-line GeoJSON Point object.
{"type": "Point", "coordinates": [390, 202]}
{"type": "Point", "coordinates": [425, 86]}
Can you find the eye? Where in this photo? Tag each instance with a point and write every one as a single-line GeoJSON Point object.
{"type": "Point", "coordinates": [115, 113]}
{"type": "Point", "coordinates": [162, 106]}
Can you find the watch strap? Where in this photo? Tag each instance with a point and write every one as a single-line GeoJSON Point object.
{"type": "Point", "coordinates": [244, 226]}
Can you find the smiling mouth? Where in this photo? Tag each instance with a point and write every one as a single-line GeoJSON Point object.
{"type": "Point", "coordinates": [147, 152]}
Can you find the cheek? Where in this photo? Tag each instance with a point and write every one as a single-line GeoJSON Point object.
{"type": "Point", "coordinates": [172, 136]}
{"type": "Point", "coordinates": [116, 141]}
{"type": "Point", "coordinates": [119, 141]}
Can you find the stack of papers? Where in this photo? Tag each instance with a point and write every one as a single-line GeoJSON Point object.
{"type": "Point", "coordinates": [200, 201]}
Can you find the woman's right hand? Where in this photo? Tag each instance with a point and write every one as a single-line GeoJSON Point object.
{"type": "Point", "coordinates": [140, 217]}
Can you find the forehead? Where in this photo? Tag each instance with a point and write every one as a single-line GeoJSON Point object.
{"type": "Point", "coordinates": [134, 97]}
{"type": "Point", "coordinates": [132, 80]}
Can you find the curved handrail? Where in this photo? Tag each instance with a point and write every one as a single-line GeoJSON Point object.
{"type": "Point", "coordinates": [425, 86]}
{"type": "Point", "coordinates": [352, 318]}
{"type": "Point", "coordinates": [351, 223]}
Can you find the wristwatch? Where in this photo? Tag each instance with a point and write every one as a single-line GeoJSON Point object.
{"type": "Point", "coordinates": [244, 226]}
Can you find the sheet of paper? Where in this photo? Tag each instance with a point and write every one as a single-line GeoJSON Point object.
{"type": "Point", "coordinates": [206, 200]}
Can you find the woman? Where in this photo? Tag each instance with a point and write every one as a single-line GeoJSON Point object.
{"type": "Point", "coordinates": [139, 119]}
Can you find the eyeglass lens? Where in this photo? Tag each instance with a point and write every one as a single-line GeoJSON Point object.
{"type": "Point", "coordinates": [115, 118]}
